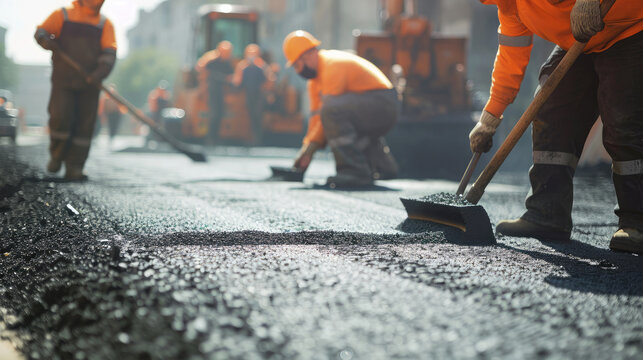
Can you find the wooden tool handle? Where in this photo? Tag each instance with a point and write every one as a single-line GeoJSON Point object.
{"type": "Point", "coordinates": [477, 189]}
{"type": "Point", "coordinates": [467, 174]}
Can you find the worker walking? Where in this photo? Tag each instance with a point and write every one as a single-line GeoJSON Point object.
{"type": "Point", "coordinates": [353, 105]}
{"type": "Point", "coordinates": [606, 80]}
{"type": "Point", "coordinates": [88, 38]}
{"type": "Point", "coordinates": [215, 71]}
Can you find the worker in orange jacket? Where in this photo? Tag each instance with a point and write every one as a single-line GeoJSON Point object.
{"type": "Point", "coordinates": [252, 75]}
{"type": "Point", "coordinates": [88, 38]}
{"type": "Point", "coordinates": [353, 105]}
{"type": "Point", "coordinates": [215, 72]}
{"type": "Point", "coordinates": [606, 80]}
{"type": "Point", "coordinates": [110, 112]}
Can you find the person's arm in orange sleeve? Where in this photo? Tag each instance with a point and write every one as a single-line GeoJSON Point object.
{"type": "Point", "coordinates": [514, 50]}
{"type": "Point", "coordinates": [151, 101]}
{"type": "Point", "coordinates": [51, 27]}
{"type": "Point", "coordinates": [315, 138]}
{"type": "Point", "coordinates": [101, 105]}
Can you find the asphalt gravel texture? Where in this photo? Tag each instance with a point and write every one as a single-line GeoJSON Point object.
{"type": "Point", "coordinates": [156, 257]}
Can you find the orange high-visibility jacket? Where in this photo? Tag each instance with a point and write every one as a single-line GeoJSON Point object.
{"type": "Point", "coordinates": [339, 72]}
{"type": "Point", "coordinates": [549, 19]}
{"type": "Point", "coordinates": [77, 13]}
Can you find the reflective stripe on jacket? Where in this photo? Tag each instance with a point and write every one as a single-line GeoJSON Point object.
{"type": "Point", "coordinates": [339, 72]}
{"type": "Point", "coordinates": [549, 19]}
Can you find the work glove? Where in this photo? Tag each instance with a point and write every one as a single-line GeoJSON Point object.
{"type": "Point", "coordinates": [586, 19]}
{"type": "Point", "coordinates": [481, 137]}
{"type": "Point", "coordinates": [95, 80]}
{"type": "Point", "coordinates": [305, 156]}
{"type": "Point", "coordinates": [48, 43]}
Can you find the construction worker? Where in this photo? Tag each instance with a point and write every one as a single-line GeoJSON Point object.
{"type": "Point", "coordinates": [81, 32]}
{"type": "Point", "coordinates": [251, 74]}
{"type": "Point", "coordinates": [157, 100]}
{"type": "Point", "coordinates": [353, 106]}
{"type": "Point", "coordinates": [606, 80]}
{"type": "Point", "coordinates": [215, 71]}
{"type": "Point", "coordinates": [110, 112]}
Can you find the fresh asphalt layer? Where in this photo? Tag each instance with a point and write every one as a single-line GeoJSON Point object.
{"type": "Point", "coordinates": [157, 257]}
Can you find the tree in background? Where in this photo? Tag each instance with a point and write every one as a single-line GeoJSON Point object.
{"type": "Point", "coordinates": [141, 72]}
{"type": "Point", "coordinates": [8, 71]}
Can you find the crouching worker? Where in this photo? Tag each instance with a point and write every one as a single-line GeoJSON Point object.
{"type": "Point", "coordinates": [353, 105]}
{"type": "Point", "coordinates": [81, 32]}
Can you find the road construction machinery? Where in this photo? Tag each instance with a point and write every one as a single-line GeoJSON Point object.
{"type": "Point", "coordinates": [282, 122]}
{"type": "Point", "coordinates": [429, 72]}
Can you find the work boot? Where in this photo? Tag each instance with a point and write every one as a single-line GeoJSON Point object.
{"type": "Point", "coordinates": [628, 240]}
{"type": "Point", "coordinates": [53, 166]}
{"type": "Point", "coordinates": [382, 163]}
{"type": "Point", "coordinates": [344, 180]}
{"type": "Point", "coordinates": [75, 173]}
{"type": "Point", "coordinates": [524, 228]}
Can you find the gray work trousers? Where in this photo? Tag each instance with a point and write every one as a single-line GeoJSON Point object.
{"type": "Point", "coordinates": [354, 125]}
{"type": "Point", "coordinates": [609, 84]}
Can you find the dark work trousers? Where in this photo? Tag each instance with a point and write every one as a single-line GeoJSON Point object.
{"type": "Point", "coordinates": [252, 81]}
{"type": "Point", "coordinates": [254, 105]}
{"type": "Point", "coordinates": [113, 122]}
{"type": "Point", "coordinates": [216, 102]}
{"type": "Point", "coordinates": [353, 122]}
{"type": "Point", "coordinates": [73, 103]}
{"type": "Point", "coordinates": [609, 84]}
{"type": "Point", "coordinates": [71, 123]}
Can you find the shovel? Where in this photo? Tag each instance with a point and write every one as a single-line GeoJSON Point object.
{"type": "Point", "coordinates": [464, 214]}
{"type": "Point", "coordinates": [283, 173]}
{"type": "Point", "coordinates": [191, 152]}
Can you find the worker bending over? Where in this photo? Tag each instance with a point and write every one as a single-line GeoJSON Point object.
{"type": "Point", "coordinates": [353, 105]}
{"type": "Point", "coordinates": [81, 32]}
{"type": "Point", "coordinates": [606, 80]}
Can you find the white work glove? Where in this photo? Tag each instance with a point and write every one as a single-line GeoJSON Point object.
{"type": "Point", "coordinates": [586, 19]}
{"type": "Point", "coordinates": [481, 137]}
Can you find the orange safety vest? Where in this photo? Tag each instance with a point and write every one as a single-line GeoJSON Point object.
{"type": "Point", "coordinates": [549, 19]}
{"type": "Point", "coordinates": [339, 72]}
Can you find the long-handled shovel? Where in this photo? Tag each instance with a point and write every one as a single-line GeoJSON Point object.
{"type": "Point", "coordinates": [190, 151]}
{"type": "Point", "coordinates": [464, 214]}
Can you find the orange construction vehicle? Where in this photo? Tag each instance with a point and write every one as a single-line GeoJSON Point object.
{"type": "Point", "coordinates": [429, 72]}
{"type": "Point", "coordinates": [282, 122]}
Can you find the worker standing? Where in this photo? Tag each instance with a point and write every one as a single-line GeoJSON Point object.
{"type": "Point", "coordinates": [158, 99]}
{"type": "Point", "coordinates": [251, 74]}
{"type": "Point", "coordinates": [88, 38]}
{"type": "Point", "coordinates": [111, 112]}
{"type": "Point", "coordinates": [353, 105]}
{"type": "Point", "coordinates": [606, 80]}
{"type": "Point", "coordinates": [216, 69]}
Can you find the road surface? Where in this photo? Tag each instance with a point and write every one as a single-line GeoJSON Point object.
{"type": "Point", "coordinates": [157, 257]}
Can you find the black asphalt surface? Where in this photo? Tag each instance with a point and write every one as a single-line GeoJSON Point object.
{"type": "Point", "coordinates": [157, 257]}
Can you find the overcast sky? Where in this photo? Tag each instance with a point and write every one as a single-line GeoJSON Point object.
{"type": "Point", "coordinates": [21, 17]}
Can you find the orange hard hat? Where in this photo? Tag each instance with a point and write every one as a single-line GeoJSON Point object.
{"type": "Point", "coordinates": [297, 43]}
